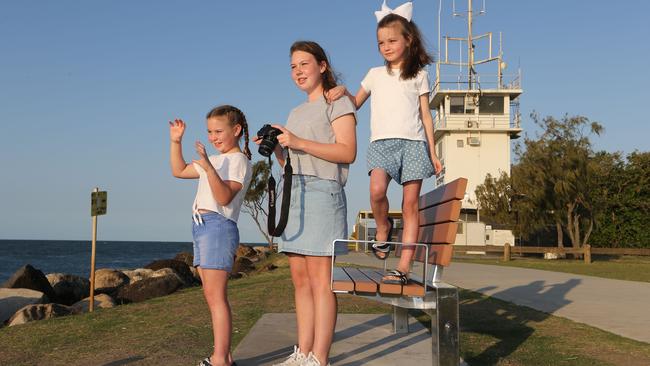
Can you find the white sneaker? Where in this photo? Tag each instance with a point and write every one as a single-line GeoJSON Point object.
{"type": "Point", "coordinates": [295, 359]}
{"type": "Point", "coordinates": [312, 361]}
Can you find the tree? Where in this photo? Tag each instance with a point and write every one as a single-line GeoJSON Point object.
{"type": "Point", "coordinates": [502, 205]}
{"type": "Point", "coordinates": [256, 196]}
{"type": "Point", "coordinates": [552, 182]}
{"type": "Point", "coordinates": [557, 175]}
{"type": "Point", "coordinates": [623, 192]}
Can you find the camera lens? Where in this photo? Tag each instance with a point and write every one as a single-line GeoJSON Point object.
{"type": "Point", "coordinates": [266, 148]}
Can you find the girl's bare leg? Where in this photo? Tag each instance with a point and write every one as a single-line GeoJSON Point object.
{"type": "Point", "coordinates": [379, 180]}
{"type": "Point", "coordinates": [410, 208]}
{"type": "Point", "coordinates": [215, 292]}
{"type": "Point", "coordinates": [304, 299]}
{"type": "Point", "coordinates": [325, 306]}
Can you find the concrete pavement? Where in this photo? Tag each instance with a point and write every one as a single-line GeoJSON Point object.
{"type": "Point", "coordinates": [360, 339]}
{"type": "Point", "coordinates": [620, 307]}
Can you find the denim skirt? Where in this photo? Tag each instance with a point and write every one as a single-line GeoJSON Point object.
{"type": "Point", "coordinates": [317, 216]}
{"type": "Point", "coordinates": [215, 240]}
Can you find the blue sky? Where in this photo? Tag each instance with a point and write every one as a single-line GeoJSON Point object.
{"type": "Point", "coordinates": [86, 90]}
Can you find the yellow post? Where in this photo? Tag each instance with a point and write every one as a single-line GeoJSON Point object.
{"type": "Point", "coordinates": [506, 252]}
{"type": "Point", "coordinates": [587, 253]}
{"type": "Point", "coordinates": [92, 263]}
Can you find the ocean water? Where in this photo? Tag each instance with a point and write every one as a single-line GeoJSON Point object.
{"type": "Point", "coordinates": [73, 257]}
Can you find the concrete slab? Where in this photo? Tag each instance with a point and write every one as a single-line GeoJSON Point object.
{"type": "Point", "coordinates": [360, 339]}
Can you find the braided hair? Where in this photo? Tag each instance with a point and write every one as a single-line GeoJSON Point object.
{"type": "Point", "coordinates": [235, 117]}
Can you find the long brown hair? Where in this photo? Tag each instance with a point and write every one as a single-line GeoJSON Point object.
{"type": "Point", "coordinates": [235, 117]}
{"type": "Point", "coordinates": [328, 77]}
{"type": "Point", "coordinates": [416, 57]}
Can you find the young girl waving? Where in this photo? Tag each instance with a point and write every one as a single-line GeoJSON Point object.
{"type": "Point", "coordinates": [223, 181]}
{"type": "Point", "coordinates": [401, 129]}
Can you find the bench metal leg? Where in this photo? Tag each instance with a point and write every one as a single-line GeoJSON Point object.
{"type": "Point", "coordinates": [445, 328]}
{"type": "Point", "coordinates": [400, 320]}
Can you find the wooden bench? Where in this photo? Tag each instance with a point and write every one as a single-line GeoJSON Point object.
{"type": "Point", "coordinates": [438, 220]}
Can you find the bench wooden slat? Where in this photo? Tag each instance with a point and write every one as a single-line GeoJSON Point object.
{"type": "Point", "coordinates": [446, 212]}
{"type": "Point", "coordinates": [438, 254]}
{"type": "Point", "coordinates": [438, 234]}
{"type": "Point", "coordinates": [413, 289]}
{"type": "Point", "coordinates": [341, 280]}
{"type": "Point", "coordinates": [361, 282]}
{"type": "Point", "coordinates": [383, 287]}
{"type": "Point", "coordinates": [454, 190]}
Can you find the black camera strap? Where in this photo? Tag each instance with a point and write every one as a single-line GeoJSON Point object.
{"type": "Point", "coordinates": [274, 230]}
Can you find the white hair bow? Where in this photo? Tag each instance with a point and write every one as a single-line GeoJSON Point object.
{"type": "Point", "coordinates": [405, 11]}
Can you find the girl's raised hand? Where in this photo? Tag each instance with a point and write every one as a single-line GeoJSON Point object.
{"type": "Point", "coordinates": [176, 130]}
{"type": "Point", "coordinates": [288, 140]}
{"type": "Point", "coordinates": [203, 160]}
{"type": "Point", "coordinates": [336, 93]}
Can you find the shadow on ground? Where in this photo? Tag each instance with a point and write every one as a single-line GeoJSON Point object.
{"type": "Point", "coordinates": [508, 324]}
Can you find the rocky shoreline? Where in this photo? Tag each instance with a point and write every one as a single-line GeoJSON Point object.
{"type": "Point", "coordinates": [30, 295]}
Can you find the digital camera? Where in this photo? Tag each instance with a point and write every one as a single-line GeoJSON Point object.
{"type": "Point", "coordinates": [269, 136]}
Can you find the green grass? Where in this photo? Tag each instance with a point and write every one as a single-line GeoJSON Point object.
{"type": "Point", "coordinates": [628, 268]}
{"type": "Point", "coordinates": [175, 330]}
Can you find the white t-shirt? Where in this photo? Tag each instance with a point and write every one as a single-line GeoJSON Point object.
{"type": "Point", "coordinates": [395, 104]}
{"type": "Point", "coordinates": [233, 166]}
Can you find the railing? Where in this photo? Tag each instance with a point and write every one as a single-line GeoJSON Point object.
{"type": "Point", "coordinates": [586, 250]}
{"type": "Point", "coordinates": [461, 82]}
{"type": "Point", "coordinates": [480, 120]}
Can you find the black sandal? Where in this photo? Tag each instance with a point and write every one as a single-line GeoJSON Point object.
{"type": "Point", "coordinates": [384, 248]}
{"type": "Point", "coordinates": [205, 362]}
{"type": "Point", "coordinates": [401, 278]}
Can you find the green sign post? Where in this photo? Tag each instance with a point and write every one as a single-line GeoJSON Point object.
{"type": "Point", "coordinates": [98, 203]}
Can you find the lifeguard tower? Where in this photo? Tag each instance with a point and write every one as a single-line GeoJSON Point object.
{"type": "Point", "coordinates": [476, 115]}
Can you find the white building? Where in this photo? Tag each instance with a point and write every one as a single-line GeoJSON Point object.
{"type": "Point", "coordinates": [475, 117]}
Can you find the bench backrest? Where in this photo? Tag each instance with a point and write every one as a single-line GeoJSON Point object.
{"type": "Point", "coordinates": [438, 222]}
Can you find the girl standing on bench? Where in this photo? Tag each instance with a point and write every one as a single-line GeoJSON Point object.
{"type": "Point", "coordinates": [321, 141]}
{"type": "Point", "coordinates": [401, 129]}
{"type": "Point", "coordinates": [223, 182]}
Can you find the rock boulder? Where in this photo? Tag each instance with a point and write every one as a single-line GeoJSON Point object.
{"type": "Point", "coordinates": [138, 274]}
{"type": "Point", "coordinates": [102, 301]}
{"type": "Point", "coordinates": [14, 299]}
{"type": "Point", "coordinates": [68, 289]}
{"type": "Point", "coordinates": [108, 280]}
{"type": "Point", "coordinates": [31, 278]}
{"type": "Point", "coordinates": [38, 312]}
{"type": "Point", "coordinates": [181, 269]}
{"type": "Point", "coordinates": [243, 264]}
{"type": "Point", "coordinates": [148, 289]}
{"type": "Point", "coordinates": [186, 257]}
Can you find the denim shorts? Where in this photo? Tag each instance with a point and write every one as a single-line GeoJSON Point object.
{"type": "Point", "coordinates": [317, 216]}
{"type": "Point", "coordinates": [215, 242]}
{"type": "Point", "coordinates": [403, 160]}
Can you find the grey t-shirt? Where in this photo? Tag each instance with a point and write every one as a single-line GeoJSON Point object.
{"type": "Point", "coordinates": [313, 121]}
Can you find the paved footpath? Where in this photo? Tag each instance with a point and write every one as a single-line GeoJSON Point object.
{"type": "Point", "coordinates": [620, 307]}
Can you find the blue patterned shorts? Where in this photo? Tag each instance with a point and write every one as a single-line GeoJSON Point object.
{"type": "Point", "coordinates": [403, 160]}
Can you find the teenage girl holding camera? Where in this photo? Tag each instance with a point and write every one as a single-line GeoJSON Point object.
{"type": "Point", "coordinates": [223, 182]}
{"type": "Point", "coordinates": [321, 141]}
